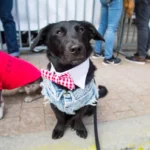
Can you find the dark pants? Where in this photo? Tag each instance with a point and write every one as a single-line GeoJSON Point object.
{"type": "Point", "coordinates": [142, 11]}
{"type": "Point", "coordinates": [9, 26]}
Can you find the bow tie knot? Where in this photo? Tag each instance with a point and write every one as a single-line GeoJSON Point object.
{"type": "Point", "coordinates": [63, 79]}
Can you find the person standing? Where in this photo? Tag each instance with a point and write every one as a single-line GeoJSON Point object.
{"type": "Point", "coordinates": [9, 27]}
{"type": "Point", "coordinates": [142, 12]}
{"type": "Point", "coordinates": [111, 12]}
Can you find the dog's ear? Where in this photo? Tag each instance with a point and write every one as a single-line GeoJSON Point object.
{"type": "Point", "coordinates": [42, 36]}
{"type": "Point", "coordinates": [94, 34]}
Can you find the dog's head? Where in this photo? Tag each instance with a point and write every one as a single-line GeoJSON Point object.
{"type": "Point", "coordinates": [68, 42]}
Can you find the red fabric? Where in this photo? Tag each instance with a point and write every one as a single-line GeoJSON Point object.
{"type": "Point", "coordinates": [63, 79]}
{"type": "Point", "coordinates": [15, 72]}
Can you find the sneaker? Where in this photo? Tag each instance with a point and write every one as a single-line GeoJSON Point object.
{"type": "Point", "coordinates": [98, 55]}
{"type": "Point", "coordinates": [39, 48]}
{"type": "Point", "coordinates": [135, 59]}
{"type": "Point", "coordinates": [113, 60]}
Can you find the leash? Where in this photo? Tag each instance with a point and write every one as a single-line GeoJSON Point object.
{"type": "Point", "coordinates": [96, 130]}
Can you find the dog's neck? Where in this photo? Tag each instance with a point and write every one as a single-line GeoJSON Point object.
{"type": "Point", "coordinates": [60, 68]}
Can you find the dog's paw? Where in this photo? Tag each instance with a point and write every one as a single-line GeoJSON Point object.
{"type": "Point", "coordinates": [57, 134]}
{"type": "Point", "coordinates": [58, 131]}
{"type": "Point", "coordinates": [2, 110]}
{"type": "Point", "coordinates": [82, 133]}
{"type": "Point", "coordinates": [80, 129]}
{"type": "Point", "coordinates": [28, 99]}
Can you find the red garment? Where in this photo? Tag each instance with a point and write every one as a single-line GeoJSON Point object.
{"type": "Point", "coordinates": [63, 79]}
{"type": "Point", "coordinates": [15, 72]}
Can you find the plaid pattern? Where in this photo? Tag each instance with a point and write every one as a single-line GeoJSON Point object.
{"type": "Point", "coordinates": [63, 79]}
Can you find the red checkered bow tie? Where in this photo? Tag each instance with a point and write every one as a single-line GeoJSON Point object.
{"type": "Point", "coordinates": [63, 79]}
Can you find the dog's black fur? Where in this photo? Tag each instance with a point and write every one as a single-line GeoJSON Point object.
{"type": "Point", "coordinates": [68, 45]}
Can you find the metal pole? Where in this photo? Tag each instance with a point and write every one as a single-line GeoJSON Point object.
{"type": "Point", "coordinates": [18, 18]}
{"type": "Point", "coordinates": [66, 15]}
{"type": "Point", "coordinates": [38, 20]}
{"type": "Point", "coordinates": [56, 10]}
{"type": "Point", "coordinates": [75, 9]}
{"type": "Point", "coordinates": [84, 10]}
{"type": "Point", "coordinates": [1, 43]}
{"type": "Point", "coordinates": [134, 31]}
{"type": "Point", "coordinates": [28, 20]}
{"type": "Point", "coordinates": [128, 30]}
{"type": "Point", "coordinates": [93, 11]}
{"type": "Point", "coordinates": [47, 8]}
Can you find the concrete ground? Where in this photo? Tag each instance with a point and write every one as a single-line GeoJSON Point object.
{"type": "Point", "coordinates": [123, 115]}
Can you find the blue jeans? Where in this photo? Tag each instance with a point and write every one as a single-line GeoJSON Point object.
{"type": "Point", "coordinates": [9, 26]}
{"type": "Point", "coordinates": [110, 17]}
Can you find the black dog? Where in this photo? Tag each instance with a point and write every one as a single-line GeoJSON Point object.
{"type": "Point", "coordinates": [68, 45]}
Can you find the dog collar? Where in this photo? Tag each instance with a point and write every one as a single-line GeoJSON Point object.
{"type": "Point", "coordinates": [78, 73]}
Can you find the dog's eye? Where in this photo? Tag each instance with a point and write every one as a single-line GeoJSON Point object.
{"type": "Point", "coordinates": [58, 32]}
{"type": "Point", "coordinates": [81, 29]}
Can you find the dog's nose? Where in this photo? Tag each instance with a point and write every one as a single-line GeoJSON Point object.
{"type": "Point", "coordinates": [76, 49]}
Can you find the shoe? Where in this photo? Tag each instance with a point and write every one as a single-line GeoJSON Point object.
{"type": "Point", "coordinates": [147, 57]}
{"type": "Point", "coordinates": [136, 59]}
{"type": "Point", "coordinates": [98, 55]}
{"type": "Point", "coordinates": [113, 60]}
{"type": "Point", "coordinates": [39, 48]}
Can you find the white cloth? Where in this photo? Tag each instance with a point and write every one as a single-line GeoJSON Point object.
{"type": "Point", "coordinates": [77, 73]}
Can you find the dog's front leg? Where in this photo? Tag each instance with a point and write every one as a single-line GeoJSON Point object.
{"type": "Point", "coordinates": [77, 123]}
{"type": "Point", "coordinates": [1, 105]}
{"type": "Point", "coordinates": [59, 129]}
{"type": "Point", "coordinates": [33, 90]}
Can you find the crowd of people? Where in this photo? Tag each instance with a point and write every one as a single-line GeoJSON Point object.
{"type": "Point", "coordinates": [111, 11]}
{"type": "Point", "coordinates": [110, 16]}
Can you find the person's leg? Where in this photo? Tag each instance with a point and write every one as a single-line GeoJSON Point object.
{"type": "Point", "coordinates": [103, 25]}
{"type": "Point", "coordinates": [148, 46]}
{"type": "Point", "coordinates": [9, 26]}
{"type": "Point", "coordinates": [114, 15]}
{"type": "Point", "coordinates": [142, 11]}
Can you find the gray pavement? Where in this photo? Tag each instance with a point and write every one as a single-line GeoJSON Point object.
{"type": "Point", "coordinates": [126, 134]}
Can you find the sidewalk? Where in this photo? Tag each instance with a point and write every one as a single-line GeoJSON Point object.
{"type": "Point", "coordinates": [123, 115]}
